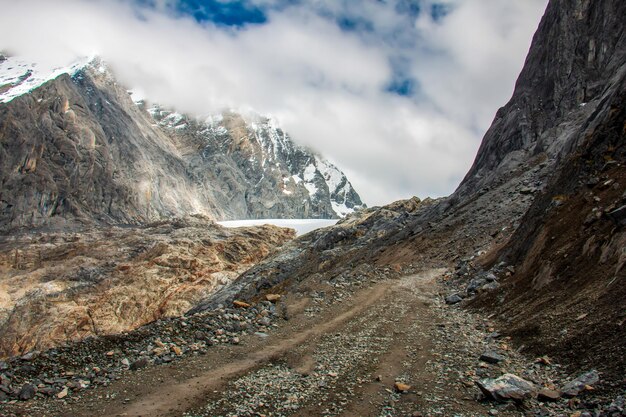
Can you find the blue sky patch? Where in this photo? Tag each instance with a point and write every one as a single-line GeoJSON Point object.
{"type": "Point", "coordinates": [233, 13]}
{"type": "Point", "coordinates": [438, 11]}
{"type": "Point", "coordinates": [403, 86]}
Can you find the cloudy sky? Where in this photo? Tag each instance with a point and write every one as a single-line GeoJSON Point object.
{"type": "Point", "coordinates": [398, 93]}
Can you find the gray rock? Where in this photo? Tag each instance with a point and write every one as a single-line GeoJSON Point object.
{"type": "Point", "coordinates": [475, 284]}
{"type": "Point", "coordinates": [576, 386]}
{"type": "Point", "coordinates": [506, 387]}
{"type": "Point", "coordinates": [30, 356]}
{"type": "Point", "coordinates": [491, 357]}
{"type": "Point", "coordinates": [27, 392]}
{"type": "Point", "coordinates": [617, 406]}
{"type": "Point", "coordinates": [593, 181]}
{"type": "Point", "coordinates": [453, 299]}
{"type": "Point", "coordinates": [139, 363]}
{"type": "Point", "coordinates": [490, 286]}
{"type": "Point", "coordinates": [3, 366]}
{"type": "Point", "coordinates": [265, 321]}
{"type": "Point", "coordinates": [5, 379]}
{"type": "Point", "coordinates": [528, 190]}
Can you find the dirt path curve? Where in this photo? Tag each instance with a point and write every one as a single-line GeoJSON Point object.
{"type": "Point", "coordinates": [339, 358]}
{"type": "Point", "coordinates": [176, 398]}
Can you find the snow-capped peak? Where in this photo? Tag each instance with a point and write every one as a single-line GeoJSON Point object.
{"type": "Point", "coordinates": [19, 76]}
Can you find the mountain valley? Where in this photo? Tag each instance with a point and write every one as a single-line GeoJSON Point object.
{"type": "Point", "coordinates": [506, 298]}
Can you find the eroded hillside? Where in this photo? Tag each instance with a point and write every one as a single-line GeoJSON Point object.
{"type": "Point", "coordinates": [62, 287]}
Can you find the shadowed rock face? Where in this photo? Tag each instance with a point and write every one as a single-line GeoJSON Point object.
{"type": "Point", "coordinates": [576, 58]}
{"type": "Point", "coordinates": [59, 287]}
{"type": "Point", "coordinates": [77, 150]}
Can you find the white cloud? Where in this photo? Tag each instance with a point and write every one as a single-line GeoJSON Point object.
{"type": "Point", "coordinates": [325, 85]}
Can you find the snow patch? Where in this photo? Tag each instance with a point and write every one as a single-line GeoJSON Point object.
{"type": "Point", "coordinates": [341, 209]}
{"type": "Point", "coordinates": [309, 176]}
{"type": "Point", "coordinates": [19, 77]}
{"type": "Point", "coordinates": [302, 226]}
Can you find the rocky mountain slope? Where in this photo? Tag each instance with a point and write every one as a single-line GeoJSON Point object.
{"type": "Point", "coordinates": [61, 287]}
{"type": "Point", "coordinates": [543, 198]}
{"type": "Point", "coordinates": [567, 295]}
{"type": "Point", "coordinates": [77, 150]}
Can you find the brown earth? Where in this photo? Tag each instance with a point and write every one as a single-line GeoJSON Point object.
{"type": "Point", "coordinates": [341, 358]}
{"type": "Point", "coordinates": [61, 287]}
{"type": "Point", "coordinates": [567, 297]}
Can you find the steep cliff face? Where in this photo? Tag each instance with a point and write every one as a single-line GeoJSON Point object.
{"type": "Point", "coordinates": [576, 58]}
{"type": "Point", "coordinates": [75, 148]}
{"type": "Point", "coordinates": [567, 296]}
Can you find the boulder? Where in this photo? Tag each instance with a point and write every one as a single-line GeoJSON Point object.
{"type": "Point", "coordinates": [580, 384]}
{"type": "Point", "coordinates": [506, 387]}
{"type": "Point", "coordinates": [491, 357]}
{"type": "Point", "coordinates": [453, 299]}
{"type": "Point", "coordinates": [139, 363]}
{"type": "Point", "coordinates": [27, 392]}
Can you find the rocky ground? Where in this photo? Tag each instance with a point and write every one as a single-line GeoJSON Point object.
{"type": "Point", "coordinates": [61, 287]}
{"type": "Point", "coordinates": [381, 343]}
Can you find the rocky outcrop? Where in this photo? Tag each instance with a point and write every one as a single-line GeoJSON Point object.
{"type": "Point", "coordinates": [76, 149]}
{"type": "Point", "coordinates": [62, 287]}
{"type": "Point", "coordinates": [575, 62]}
{"type": "Point", "coordinates": [566, 293]}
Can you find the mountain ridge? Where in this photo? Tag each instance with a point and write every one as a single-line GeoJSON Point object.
{"type": "Point", "coordinates": [96, 156]}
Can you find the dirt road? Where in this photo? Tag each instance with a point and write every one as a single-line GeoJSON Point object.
{"type": "Point", "coordinates": [338, 351]}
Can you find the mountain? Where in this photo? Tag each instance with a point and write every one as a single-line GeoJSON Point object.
{"type": "Point", "coordinates": [541, 209]}
{"type": "Point", "coordinates": [76, 149]}
{"type": "Point", "coordinates": [263, 173]}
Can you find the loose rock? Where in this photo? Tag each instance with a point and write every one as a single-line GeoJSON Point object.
{"type": "Point", "coordinates": [27, 392]}
{"type": "Point", "coordinates": [578, 385]}
{"type": "Point", "coordinates": [273, 297]}
{"type": "Point", "coordinates": [546, 394]}
{"type": "Point", "coordinates": [506, 387]}
{"type": "Point", "coordinates": [241, 304]}
{"type": "Point", "coordinates": [491, 357]}
{"type": "Point", "coordinates": [401, 387]}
